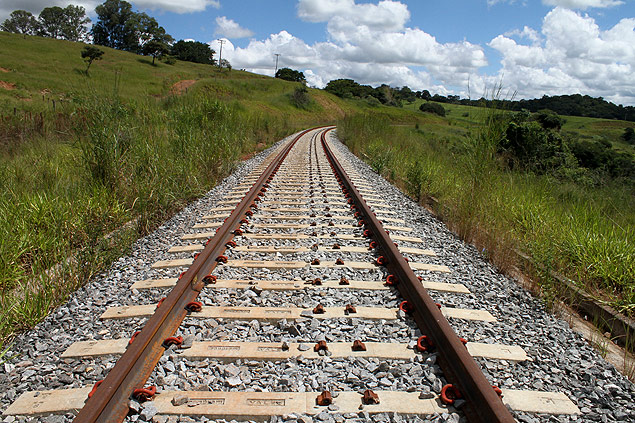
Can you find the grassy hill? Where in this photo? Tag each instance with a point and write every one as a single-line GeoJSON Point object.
{"type": "Point", "coordinates": [117, 152]}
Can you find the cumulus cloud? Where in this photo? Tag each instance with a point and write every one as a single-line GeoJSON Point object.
{"type": "Point", "coordinates": [387, 15]}
{"type": "Point", "coordinates": [177, 6]}
{"type": "Point", "coordinates": [583, 4]}
{"type": "Point", "coordinates": [575, 56]}
{"type": "Point", "coordinates": [230, 29]}
{"type": "Point", "coordinates": [367, 42]}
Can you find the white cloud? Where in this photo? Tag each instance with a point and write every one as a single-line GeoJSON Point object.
{"type": "Point", "coordinates": [368, 43]}
{"type": "Point", "coordinates": [528, 33]}
{"type": "Point", "coordinates": [576, 56]}
{"type": "Point", "coordinates": [583, 4]}
{"type": "Point", "coordinates": [230, 29]}
{"type": "Point", "coordinates": [387, 15]}
{"type": "Point", "coordinates": [177, 6]}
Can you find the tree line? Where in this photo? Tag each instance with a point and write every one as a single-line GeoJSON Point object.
{"type": "Point", "coordinates": [69, 23]}
{"type": "Point", "coordinates": [569, 105]}
{"type": "Point", "coordinates": [117, 26]}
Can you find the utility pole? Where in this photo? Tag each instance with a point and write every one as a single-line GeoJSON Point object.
{"type": "Point", "coordinates": [220, 57]}
{"type": "Point", "coordinates": [277, 56]}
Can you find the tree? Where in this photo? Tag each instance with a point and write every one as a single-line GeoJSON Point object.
{"type": "Point", "coordinates": [193, 51]}
{"type": "Point", "coordinates": [52, 21]}
{"type": "Point", "coordinates": [118, 26]}
{"type": "Point", "coordinates": [21, 22]}
{"type": "Point", "coordinates": [90, 54]}
{"type": "Point", "coordinates": [224, 63]}
{"type": "Point", "coordinates": [143, 29]}
{"type": "Point", "coordinates": [112, 28]}
{"type": "Point", "coordinates": [75, 23]}
{"type": "Point", "coordinates": [155, 49]}
{"type": "Point", "coordinates": [290, 75]}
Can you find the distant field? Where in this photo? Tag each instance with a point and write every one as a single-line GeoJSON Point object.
{"type": "Point", "coordinates": [579, 127]}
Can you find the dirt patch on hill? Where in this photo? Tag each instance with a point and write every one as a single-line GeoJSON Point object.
{"type": "Point", "coordinates": [182, 86]}
{"type": "Point", "coordinates": [5, 70]}
{"type": "Point", "coordinates": [7, 85]}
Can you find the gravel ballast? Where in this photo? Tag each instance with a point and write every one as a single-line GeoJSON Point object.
{"type": "Point", "coordinates": [561, 360]}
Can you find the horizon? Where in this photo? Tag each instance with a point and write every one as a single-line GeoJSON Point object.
{"type": "Point", "coordinates": [459, 47]}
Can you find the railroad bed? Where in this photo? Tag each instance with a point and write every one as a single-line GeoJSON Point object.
{"type": "Point", "coordinates": [290, 314]}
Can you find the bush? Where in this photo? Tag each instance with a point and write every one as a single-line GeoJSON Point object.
{"type": "Point", "coordinates": [549, 119]}
{"type": "Point", "coordinates": [435, 108]}
{"type": "Point", "coordinates": [372, 101]}
{"type": "Point", "coordinates": [533, 147]}
{"type": "Point", "coordinates": [169, 60]}
{"type": "Point", "coordinates": [301, 98]}
{"type": "Point", "coordinates": [629, 135]}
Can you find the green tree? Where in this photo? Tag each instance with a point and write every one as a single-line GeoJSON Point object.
{"type": "Point", "coordinates": [530, 146]}
{"type": "Point", "coordinates": [224, 63]}
{"type": "Point", "coordinates": [52, 21]}
{"type": "Point", "coordinates": [66, 24]}
{"type": "Point", "coordinates": [142, 30]}
{"type": "Point", "coordinates": [193, 51]}
{"type": "Point", "coordinates": [21, 22]}
{"type": "Point", "coordinates": [112, 28]}
{"type": "Point", "coordinates": [155, 49]}
{"type": "Point", "coordinates": [90, 54]}
{"type": "Point", "coordinates": [290, 75]}
{"type": "Point", "coordinates": [75, 23]}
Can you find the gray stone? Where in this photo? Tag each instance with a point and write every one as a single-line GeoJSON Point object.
{"type": "Point", "coordinates": [148, 410]}
{"type": "Point", "coordinates": [180, 399]}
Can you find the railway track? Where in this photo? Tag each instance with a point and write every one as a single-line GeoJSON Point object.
{"type": "Point", "coordinates": [302, 295]}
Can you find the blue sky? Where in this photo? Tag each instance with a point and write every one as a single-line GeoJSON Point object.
{"type": "Point", "coordinates": [530, 47]}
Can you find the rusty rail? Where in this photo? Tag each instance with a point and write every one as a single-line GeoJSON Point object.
{"type": "Point", "coordinates": [482, 403]}
{"type": "Point", "coordinates": [110, 400]}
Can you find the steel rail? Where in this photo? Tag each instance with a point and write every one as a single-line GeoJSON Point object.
{"type": "Point", "coordinates": [482, 403]}
{"type": "Point", "coordinates": [109, 403]}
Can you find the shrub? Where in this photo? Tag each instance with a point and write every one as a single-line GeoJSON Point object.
{"type": "Point", "coordinates": [435, 108]}
{"type": "Point", "coordinates": [629, 135]}
{"type": "Point", "coordinates": [301, 98]}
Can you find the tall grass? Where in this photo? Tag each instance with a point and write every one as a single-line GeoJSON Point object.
{"type": "Point", "coordinates": [117, 165]}
{"type": "Point", "coordinates": [583, 233]}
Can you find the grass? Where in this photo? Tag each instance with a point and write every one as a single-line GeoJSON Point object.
{"type": "Point", "coordinates": [583, 233]}
{"type": "Point", "coordinates": [88, 164]}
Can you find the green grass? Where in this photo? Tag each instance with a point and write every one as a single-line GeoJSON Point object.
{"type": "Point", "coordinates": [585, 234]}
{"type": "Point", "coordinates": [118, 149]}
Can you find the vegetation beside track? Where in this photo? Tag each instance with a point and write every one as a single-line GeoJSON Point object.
{"type": "Point", "coordinates": [584, 232]}
{"type": "Point", "coordinates": [89, 164]}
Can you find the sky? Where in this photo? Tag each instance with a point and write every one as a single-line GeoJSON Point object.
{"type": "Point", "coordinates": [470, 48]}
